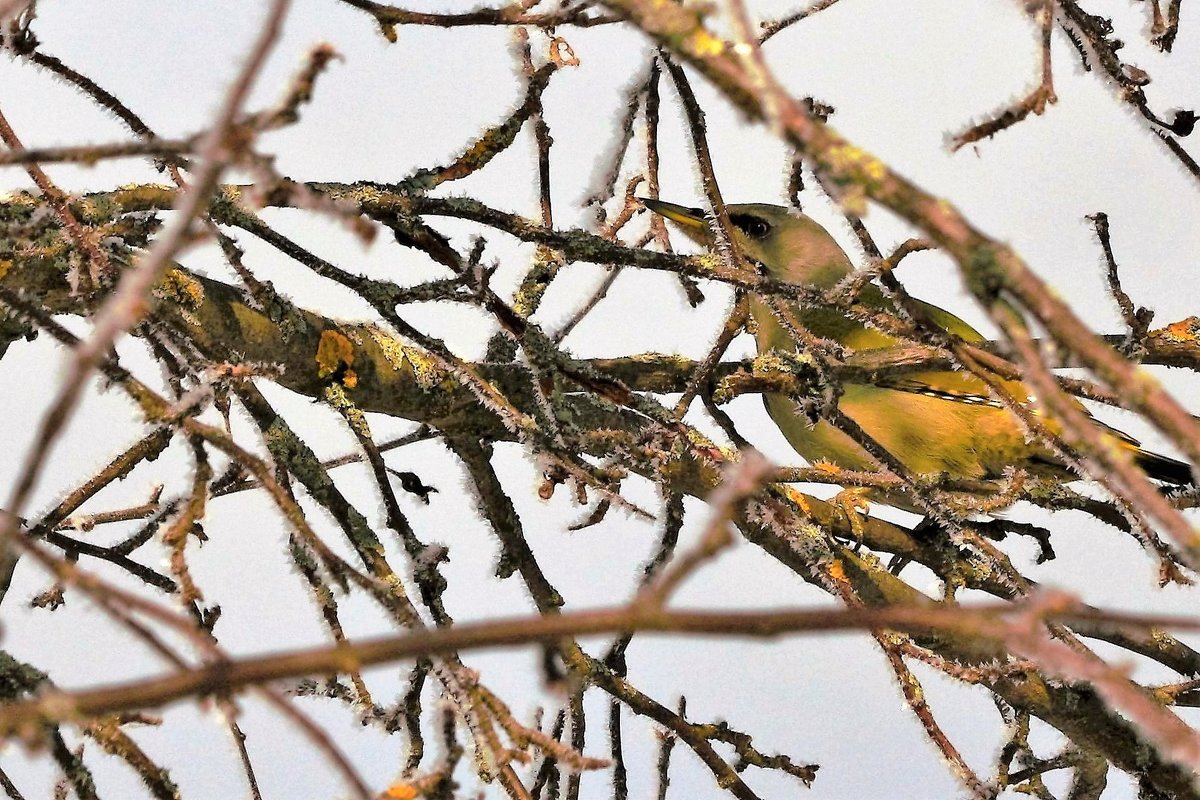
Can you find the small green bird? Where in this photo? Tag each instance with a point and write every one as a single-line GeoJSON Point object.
{"type": "Point", "coordinates": [936, 422]}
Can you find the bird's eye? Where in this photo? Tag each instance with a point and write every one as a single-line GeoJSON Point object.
{"type": "Point", "coordinates": [754, 227]}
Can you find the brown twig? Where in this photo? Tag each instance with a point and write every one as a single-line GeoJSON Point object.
{"type": "Point", "coordinates": [734, 325]}
{"type": "Point", "coordinates": [231, 675]}
{"type": "Point", "coordinates": [742, 478]}
{"type": "Point", "coordinates": [914, 695]}
{"type": "Point", "coordinates": [1033, 103]}
{"type": "Point", "coordinates": [1092, 32]}
{"type": "Point", "coordinates": [89, 154]}
{"type": "Point", "coordinates": [720, 225]}
{"type": "Point", "coordinates": [389, 17]}
{"type": "Point", "coordinates": [1137, 319]}
{"type": "Point", "coordinates": [769, 29]}
{"type": "Point", "coordinates": [493, 141]}
{"type": "Point", "coordinates": [98, 266]}
{"type": "Point", "coordinates": [127, 304]}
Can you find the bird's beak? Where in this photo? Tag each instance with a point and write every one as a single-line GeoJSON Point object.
{"type": "Point", "coordinates": [691, 220]}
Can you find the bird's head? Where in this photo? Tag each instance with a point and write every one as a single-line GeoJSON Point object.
{"type": "Point", "coordinates": [787, 245]}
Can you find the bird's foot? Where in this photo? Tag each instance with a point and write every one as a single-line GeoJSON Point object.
{"type": "Point", "coordinates": [853, 502]}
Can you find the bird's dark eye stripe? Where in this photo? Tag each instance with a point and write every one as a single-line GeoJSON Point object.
{"type": "Point", "coordinates": [752, 226]}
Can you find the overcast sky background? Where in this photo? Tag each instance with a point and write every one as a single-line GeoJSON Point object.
{"type": "Point", "coordinates": [901, 76]}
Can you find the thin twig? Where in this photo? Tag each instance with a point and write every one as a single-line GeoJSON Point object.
{"type": "Point", "coordinates": [769, 29]}
{"type": "Point", "coordinates": [127, 304]}
{"type": "Point", "coordinates": [1033, 103]}
{"type": "Point", "coordinates": [148, 693]}
{"type": "Point", "coordinates": [89, 154]}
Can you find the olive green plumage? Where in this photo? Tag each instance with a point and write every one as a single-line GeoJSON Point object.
{"type": "Point", "coordinates": [936, 422]}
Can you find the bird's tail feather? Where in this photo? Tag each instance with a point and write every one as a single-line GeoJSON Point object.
{"type": "Point", "coordinates": [1162, 468]}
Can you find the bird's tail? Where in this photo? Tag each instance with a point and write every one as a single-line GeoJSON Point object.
{"type": "Point", "coordinates": [1162, 468]}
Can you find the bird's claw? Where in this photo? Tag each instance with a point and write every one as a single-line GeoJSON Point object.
{"type": "Point", "coordinates": [851, 501]}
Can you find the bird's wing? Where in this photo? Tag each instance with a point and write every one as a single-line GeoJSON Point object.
{"type": "Point", "coordinates": [956, 387]}
{"type": "Point", "coordinates": [950, 323]}
{"type": "Point", "coordinates": [963, 387]}
{"type": "Point", "coordinates": [873, 297]}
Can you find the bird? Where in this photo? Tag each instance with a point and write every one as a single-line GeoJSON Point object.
{"type": "Point", "coordinates": [939, 422]}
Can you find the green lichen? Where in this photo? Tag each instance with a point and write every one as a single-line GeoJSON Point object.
{"type": "Point", "coordinates": [335, 394]}
{"type": "Point", "coordinates": [985, 276]}
{"type": "Point", "coordinates": [18, 679]}
{"type": "Point", "coordinates": [529, 296]}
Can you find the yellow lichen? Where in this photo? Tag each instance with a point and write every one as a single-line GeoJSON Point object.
{"type": "Point", "coordinates": [89, 210]}
{"type": "Point", "coordinates": [704, 45]}
{"type": "Point", "coordinates": [180, 288]}
{"type": "Point", "coordinates": [1184, 331]}
{"type": "Point", "coordinates": [852, 162]}
{"type": "Point", "coordinates": [710, 262]}
{"type": "Point", "coordinates": [18, 200]}
{"type": "Point", "coordinates": [837, 571]}
{"type": "Point", "coordinates": [425, 370]}
{"type": "Point", "coordinates": [854, 200]}
{"type": "Point", "coordinates": [400, 791]}
{"type": "Point", "coordinates": [701, 442]}
{"type": "Point", "coordinates": [335, 354]}
{"type": "Point", "coordinates": [799, 498]}
{"type": "Point", "coordinates": [366, 196]}
{"type": "Point", "coordinates": [769, 362]}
